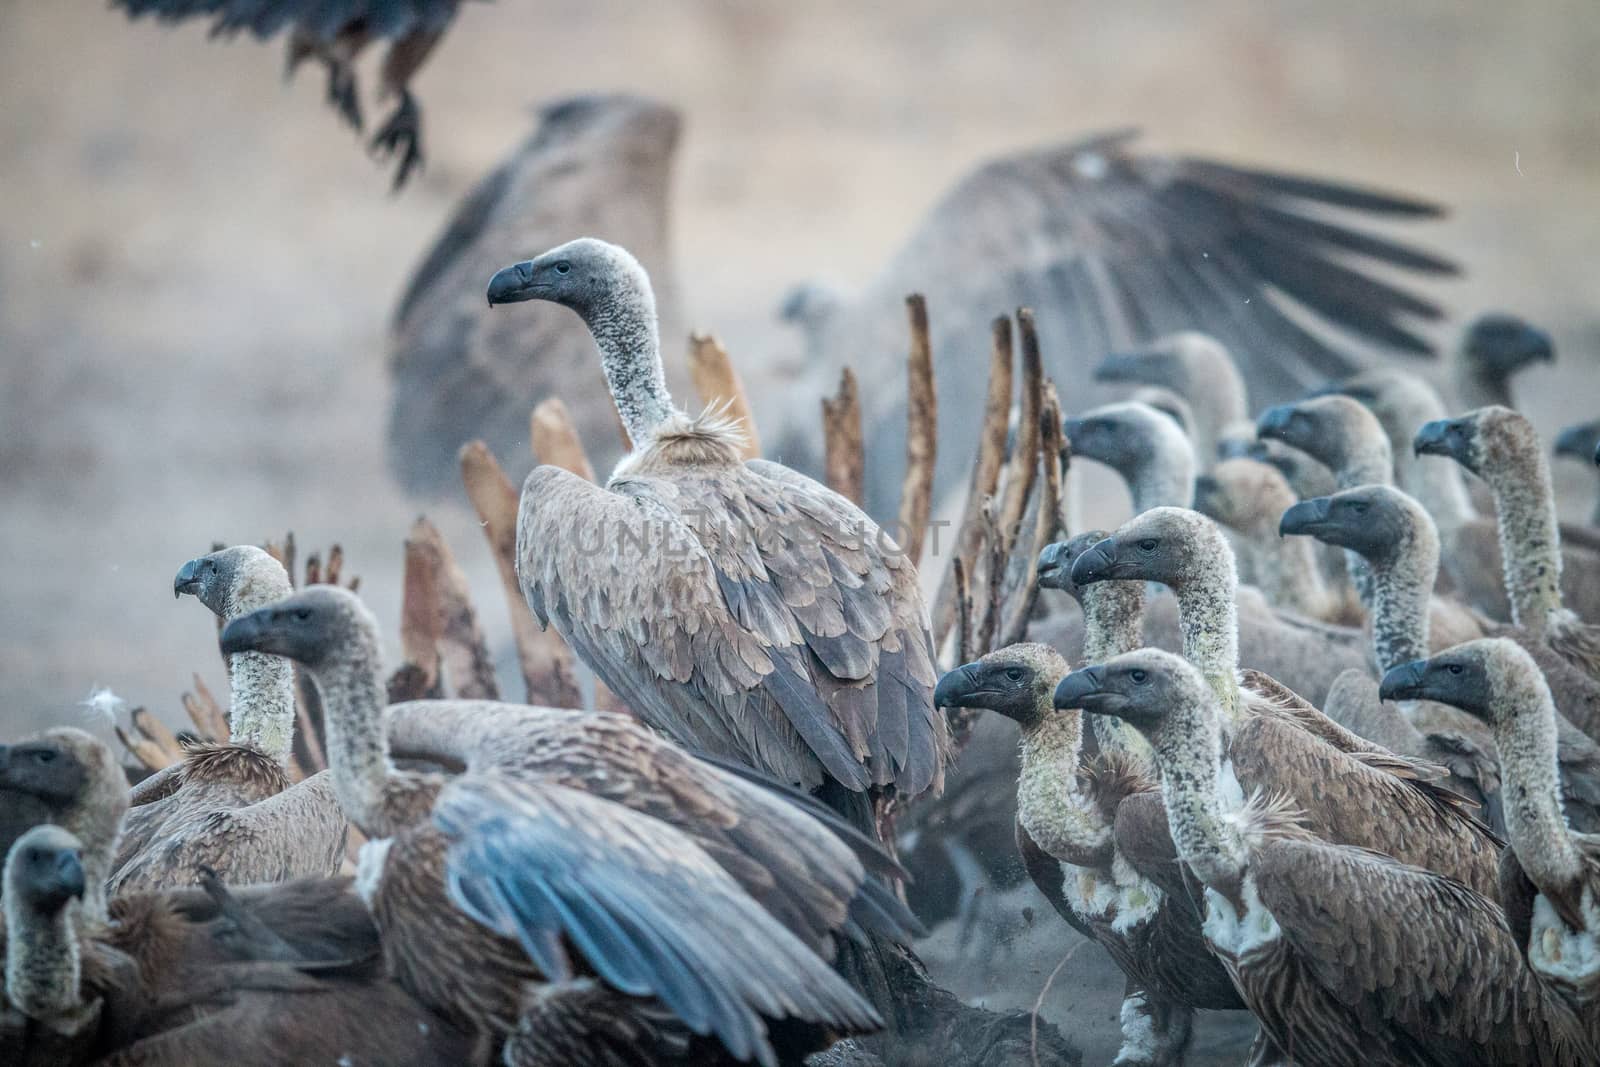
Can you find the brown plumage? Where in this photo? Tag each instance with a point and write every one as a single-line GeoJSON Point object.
{"type": "Point", "coordinates": [1347, 957]}
{"type": "Point", "coordinates": [579, 846]}
{"type": "Point", "coordinates": [336, 34]}
{"type": "Point", "coordinates": [232, 808]}
{"type": "Point", "coordinates": [745, 610]}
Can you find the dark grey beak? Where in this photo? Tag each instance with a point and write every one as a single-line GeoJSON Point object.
{"type": "Point", "coordinates": [248, 633]}
{"type": "Point", "coordinates": [67, 879]}
{"type": "Point", "coordinates": [955, 686]}
{"type": "Point", "coordinates": [1206, 489]}
{"type": "Point", "coordinates": [1124, 367]}
{"type": "Point", "coordinates": [1096, 564]}
{"type": "Point", "coordinates": [1537, 345]}
{"type": "Point", "coordinates": [1597, 455]}
{"type": "Point", "coordinates": [1052, 569]}
{"type": "Point", "coordinates": [1072, 690]}
{"type": "Point", "coordinates": [1437, 439]}
{"type": "Point", "coordinates": [1403, 682]}
{"type": "Point", "coordinates": [1274, 422]}
{"type": "Point", "coordinates": [187, 579]}
{"type": "Point", "coordinates": [1578, 441]}
{"type": "Point", "coordinates": [1304, 518]}
{"type": "Point", "coordinates": [512, 284]}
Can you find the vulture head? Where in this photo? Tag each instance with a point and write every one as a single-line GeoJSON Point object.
{"type": "Point", "coordinates": [1057, 558]}
{"type": "Point", "coordinates": [1306, 476]}
{"type": "Point", "coordinates": [1243, 494]}
{"type": "Point", "coordinates": [1497, 345]}
{"type": "Point", "coordinates": [233, 581]}
{"type": "Point", "coordinates": [1480, 677]}
{"type": "Point", "coordinates": [1015, 681]}
{"type": "Point", "coordinates": [44, 870]}
{"type": "Point", "coordinates": [312, 627]}
{"type": "Point", "coordinates": [58, 768]}
{"type": "Point", "coordinates": [1579, 442]}
{"type": "Point", "coordinates": [1334, 429]}
{"type": "Point", "coordinates": [1179, 360]}
{"type": "Point", "coordinates": [1166, 545]}
{"type": "Point", "coordinates": [1370, 520]}
{"type": "Point", "coordinates": [1126, 436]}
{"type": "Point", "coordinates": [585, 275]}
{"type": "Point", "coordinates": [1486, 441]}
{"type": "Point", "coordinates": [1168, 402]}
{"type": "Point", "coordinates": [1139, 687]}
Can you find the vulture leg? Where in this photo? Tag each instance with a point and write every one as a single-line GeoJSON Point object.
{"type": "Point", "coordinates": [1155, 1032]}
{"type": "Point", "coordinates": [402, 133]}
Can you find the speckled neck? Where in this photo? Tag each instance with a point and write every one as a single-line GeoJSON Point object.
{"type": "Point", "coordinates": [1289, 573]}
{"type": "Point", "coordinates": [1530, 540]}
{"type": "Point", "coordinates": [1401, 593]}
{"type": "Point", "coordinates": [43, 968]}
{"type": "Point", "coordinates": [96, 821]}
{"type": "Point", "coordinates": [1436, 482]}
{"type": "Point", "coordinates": [1113, 623]}
{"type": "Point", "coordinates": [623, 322]}
{"type": "Point", "coordinates": [353, 698]}
{"type": "Point", "coordinates": [1208, 617]}
{"type": "Point", "coordinates": [1188, 749]}
{"type": "Point", "coordinates": [1527, 740]}
{"type": "Point", "coordinates": [261, 709]}
{"type": "Point", "coordinates": [1051, 808]}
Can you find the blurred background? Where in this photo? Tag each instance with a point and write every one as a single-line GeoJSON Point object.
{"type": "Point", "coordinates": [198, 264]}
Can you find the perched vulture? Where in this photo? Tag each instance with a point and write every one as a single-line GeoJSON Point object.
{"type": "Point", "coordinates": [335, 32]}
{"type": "Point", "coordinates": [1111, 247]}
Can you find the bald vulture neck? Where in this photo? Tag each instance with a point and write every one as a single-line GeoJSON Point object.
{"type": "Point", "coordinates": [1208, 617]}
{"type": "Point", "coordinates": [43, 967]}
{"type": "Point", "coordinates": [1113, 623]}
{"type": "Point", "coordinates": [96, 821]}
{"type": "Point", "coordinates": [1188, 749]}
{"type": "Point", "coordinates": [1535, 822]}
{"type": "Point", "coordinates": [261, 710]}
{"type": "Point", "coordinates": [1164, 475]}
{"type": "Point", "coordinates": [353, 698]}
{"type": "Point", "coordinates": [1049, 804]}
{"type": "Point", "coordinates": [1289, 573]}
{"type": "Point", "coordinates": [1530, 540]}
{"type": "Point", "coordinates": [623, 323]}
{"type": "Point", "coordinates": [1436, 482]}
{"type": "Point", "coordinates": [1399, 599]}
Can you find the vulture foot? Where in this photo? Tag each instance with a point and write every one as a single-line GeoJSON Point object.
{"type": "Point", "coordinates": [402, 134]}
{"type": "Point", "coordinates": [342, 94]}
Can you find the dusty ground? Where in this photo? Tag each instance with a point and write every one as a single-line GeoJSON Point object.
{"type": "Point", "coordinates": [197, 263]}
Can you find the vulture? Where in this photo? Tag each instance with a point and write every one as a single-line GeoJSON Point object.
{"type": "Point", "coordinates": [1582, 442]}
{"type": "Point", "coordinates": [232, 808]}
{"type": "Point", "coordinates": [1353, 791]}
{"type": "Point", "coordinates": [1147, 447]}
{"type": "Point", "coordinates": [1068, 831]}
{"type": "Point", "coordinates": [335, 34]}
{"type": "Point", "coordinates": [1496, 346]}
{"type": "Point", "coordinates": [1501, 446]}
{"type": "Point", "coordinates": [1110, 245]}
{"type": "Point", "coordinates": [1550, 876]}
{"type": "Point", "coordinates": [1326, 942]}
{"type": "Point", "coordinates": [582, 876]}
{"type": "Point", "coordinates": [281, 973]}
{"type": "Point", "coordinates": [1201, 371]}
{"type": "Point", "coordinates": [743, 609]}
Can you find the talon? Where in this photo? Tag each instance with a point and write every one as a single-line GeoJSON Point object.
{"type": "Point", "coordinates": [402, 133]}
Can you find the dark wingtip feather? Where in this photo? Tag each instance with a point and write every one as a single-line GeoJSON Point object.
{"type": "Point", "coordinates": [1320, 190]}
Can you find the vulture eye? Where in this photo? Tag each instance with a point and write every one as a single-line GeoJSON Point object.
{"type": "Point", "coordinates": [1359, 507]}
{"type": "Point", "coordinates": [1147, 545]}
{"type": "Point", "coordinates": [563, 267]}
{"type": "Point", "coordinates": [1453, 668]}
{"type": "Point", "coordinates": [1014, 674]}
{"type": "Point", "coordinates": [1138, 676]}
{"type": "Point", "coordinates": [303, 614]}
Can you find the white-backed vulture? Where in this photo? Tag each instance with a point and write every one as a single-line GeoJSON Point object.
{"type": "Point", "coordinates": [1248, 497]}
{"type": "Point", "coordinates": [1146, 447]}
{"type": "Point", "coordinates": [232, 808]}
{"type": "Point", "coordinates": [1542, 576]}
{"type": "Point", "coordinates": [1494, 347]}
{"type": "Point", "coordinates": [588, 849]}
{"type": "Point", "coordinates": [1066, 828]}
{"type": "Point", "coordinates": [1383, 800]}
{"type": "Point", "coordinates": [45, 1008]}
{"type": "Point", "coordinates": [1201, 371]}
{"type": "Point", "coordinates": [460, 372]}
{"type": "Point", "coordinates": [1109, 245]}
{"type": "Point", "coordinates": [1559, 927]}
{"type": "Point", "coordinates": [747, 611]}
{"type": "Point", "coordinates": [1582, 442]}
{"type": "Point", "coordinates": [335, 35]}
{"type": "Point", "coordinates": [1348, 958]}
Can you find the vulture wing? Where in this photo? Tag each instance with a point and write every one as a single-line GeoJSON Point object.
{"type": "Point", "coordinates": [643, 906]}
{"type": "Point", "coordinates": [322, 20]}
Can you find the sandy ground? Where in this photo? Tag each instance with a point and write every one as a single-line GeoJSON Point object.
{"type": "Point", "coordinates": [197, 263]}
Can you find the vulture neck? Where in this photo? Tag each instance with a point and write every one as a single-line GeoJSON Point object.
{"type": "Point", "coordinates": [1435, 482]}
{"type": "Point", "coordinates": [1530, 540]}
{"type": "Point", "coordinates": [1208, 617]}
{"type": "Point", "coordinates": [1525, 733]}
{"type": "Point", "coordinates": [96, 821]}
{"type": "Point", "coordinates": [1049, 803]}
{"type": "Point", "coordinates": [1289, 573]}
{"type": "Point", "coordinates": [623, 323]}
{"type": "Point", "coordinates": [1113, 623]}
{"type": "Point", "coordinates": [1162, 481]}
{"type": "Point", "coordinates": [261, 710]}
{"type": "Point", "coordinates": [43, 966]}
{"type": "Point", "coordinates": [1399, 598]}
{"type": "Point", "coordinates": [353, 698]}
{"type": "Point", "coordinates": [1188, 749]}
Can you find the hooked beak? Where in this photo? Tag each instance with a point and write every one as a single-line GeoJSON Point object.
{"type": "Point", "coordinates": [1403, 682]}
{"type": "Point", "coordinates": [1435, 438]}
{"type": "Point", "coordinates": [1578, 441]}
{"type": "Point", "coordinates": [248, 633]}
{"type": "Point", "coordinates": [1051, 572]}
{"type": "Point", "coordinates": [67, 880]}
{"type": "Point", "coordinates": [187, 580]}
{"type": "Point", "coordinates": [513, 284]}
{"type": "Point", "coordinates": [956, 686]}
{"type": "Point", "coordinates": [1274, 422]}
{"type": "Point", "coordinates": [1124, 366]}
{"type": "Point", "coordinates": [1076, 687]}
{"type": "Point", "coordinates": [1096, 565]}
{"type": "Point", "coordinates": [1306, 517]}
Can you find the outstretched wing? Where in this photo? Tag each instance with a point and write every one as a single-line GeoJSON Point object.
{"type": "Point", "coordinates": [750, 619]}
{"type": "Point", "coordinates": [322, 20]}
{"type": "Point", "coordinates": [645, 908]}
{"type": "Point", "coordinates": [600, 165]}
